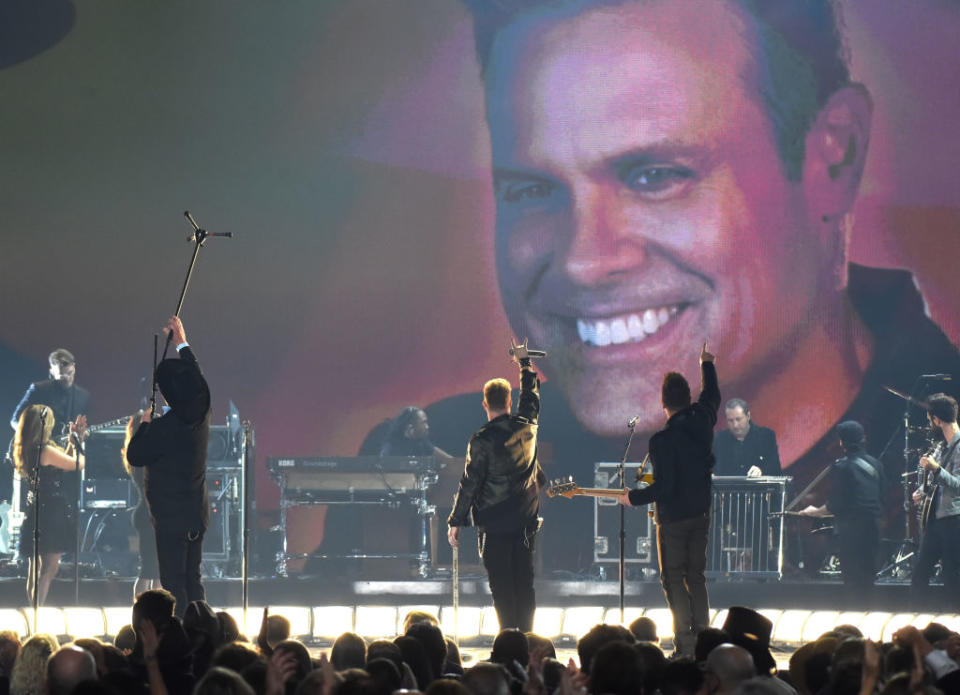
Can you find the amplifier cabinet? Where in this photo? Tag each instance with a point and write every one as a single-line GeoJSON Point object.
{"type": "Point", "coordinates": [222, 538]}
{"type": "Point", "coordinates": [640, 542]}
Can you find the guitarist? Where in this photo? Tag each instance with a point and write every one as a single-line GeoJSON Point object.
{"type": "Point", "coordinates": [63, 396]}
{"type": "Point", "coordinates": [941, 538]}
{"type": "Point", "coordinates": [682, 456]}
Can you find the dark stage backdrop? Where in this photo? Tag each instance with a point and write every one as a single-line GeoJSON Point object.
{"type": "Point", "coordinates": [344, 145]}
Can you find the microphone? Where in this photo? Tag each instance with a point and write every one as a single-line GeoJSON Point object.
{"type": "Point", "coordinates": [633, 421]}
{"type": "Point", "coordinates": [202, 234]}
{"type": "Point", "coordinates": [531, 353]}
{"type": "Point", "coordinates": [942, 377]}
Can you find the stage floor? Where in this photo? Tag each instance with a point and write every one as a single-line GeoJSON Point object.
{"type": "Point", "coordinates": [812, 594]}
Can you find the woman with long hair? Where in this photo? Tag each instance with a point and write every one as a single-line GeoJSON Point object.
{"type": "Point", "coordinates": [31, 444]}
{"type": "Point", "coordinates": [30, 670]}
{"type": "Point", "coordinates": [149, 577]}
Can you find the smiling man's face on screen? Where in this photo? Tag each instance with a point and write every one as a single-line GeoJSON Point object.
{"type": "Point", "coordinates": [643, 204]}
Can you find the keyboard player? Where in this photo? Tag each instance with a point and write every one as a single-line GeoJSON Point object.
{"type": "Point", "coordinates": [745, 448]}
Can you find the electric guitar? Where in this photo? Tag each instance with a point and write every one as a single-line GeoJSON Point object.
{"type": "Point", "coordinates": [929, 489]}
{"type": "Point", "coordinates": [62, 440]}
{"type": "Point", "coordinates": [569, 489]}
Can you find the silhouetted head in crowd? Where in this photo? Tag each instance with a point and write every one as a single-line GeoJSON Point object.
{"type": "Point", "coordinates": [415, 656]}
{"type": "Point", "coordinates": [730, 665]}
{"type": "Point", "coordinates": [935, 632]}
{"type": "Point", "coordinates": [385, 674]}
{"type": "Point", "coordinates": [598, 636]}
{"type": "Point", "coordinates": [235, 656]}
{"type": "Point", "coordinates": [349, 650]}
{"type": "Point", "coordinates": [850, 649]}
{"type": "Point", "coordinates": [552, 674]}
{"type": "Point", "coordinates": [414, 617]}
{"type": "Point", "coordinates": [447, 686]}
{"type": "Point", "coordinates": [113, 659]}
{"type": "Point", "coordinates": [384, 649]}
{"type": "Point", "coordinates": [229, 630]}
{"type": "Point", "coordinates": [9, 650]}
{"type": "Point", "coordinates": [644, 629]}
{"type": "Point", "coordinates": [535, 641]}
{"type": "Point", "coordinates": [434, 644]}
{"type": "Point", "coordinates": [155, 605]}
{"type": "Point", "coordinates": [681, 677]}
{"type": "Point", "coordinates": [95, 647]}
{"type": "Point", "coordinates": [222, 681]}
{"type": "Point", "coordinates": [617, 669]}
{"type": "Point", "coordinates": [302, 656]}
{"type": "Point", "coordinates": [453, 664]}
{"type": "Point", "coordinates": [487, 679]}
{"type": "Point", "coordinates": [652, 661]}
{"type": "Point", "coordinates": [277, 630]}
{"type": "Point", "coordinates": [126, 638]}
{"type": "Point", "coordinates": [509, 646]}
{"type": "Point", "coordinates": [68, 666]}
{"type": "Point", "coordinates": [314, 683]}
{"type": "Point", "coordinates": [707, 639]}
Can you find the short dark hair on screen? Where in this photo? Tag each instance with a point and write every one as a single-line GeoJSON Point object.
{"type": "Point", "coordinates": [798, 44]}
{"type": "Point", "coordinates": [675, 391]}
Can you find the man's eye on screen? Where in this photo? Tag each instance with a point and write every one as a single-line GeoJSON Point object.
{"type": "Point", "coordinates": [520, 191]}
{"type": "Point", "coordinates": [656, 181]}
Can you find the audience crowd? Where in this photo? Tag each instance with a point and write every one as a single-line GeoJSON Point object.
{"type": "Point", "coordinates": [205, 654]}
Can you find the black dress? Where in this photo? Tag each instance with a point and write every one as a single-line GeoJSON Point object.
{"type": "Point", "coordinates": [149, 568]}
{"type": "Point", "coordinates": [57, 512]}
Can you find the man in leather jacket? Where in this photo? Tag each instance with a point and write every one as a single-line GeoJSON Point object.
{"type": "Point", "coordinates": [499, 490]}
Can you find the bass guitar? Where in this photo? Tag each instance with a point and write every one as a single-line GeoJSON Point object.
{"type": "Point", "coordinates": [569, 489]}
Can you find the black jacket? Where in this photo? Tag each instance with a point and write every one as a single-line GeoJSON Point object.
{"type": "Point", "coordinates": [66, 403]}
{"type": "Point", "coordinates": [758, 448]}
{"type": "Point", "coordinates": [175, 456]}
{"type": "Point", "coordinates": [682, 457]}
{"type": "Point", "coordinates": [856, 486]}
{"type": "Point", "coordinates": [502, 477]}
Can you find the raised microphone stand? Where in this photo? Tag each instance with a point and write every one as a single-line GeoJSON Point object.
{"type": "Point", "coordinates": [621, 472]}
{"type": "Point", "coordinates": [199, 237]}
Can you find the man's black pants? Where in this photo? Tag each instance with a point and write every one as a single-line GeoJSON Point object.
{"type": "Point", "coordinates": [859, 541]}
{"type": "Point", "coordinates": [508, 559]}
{"type": "Point", "coordinates": [940, 541]}
{"type": "Point", "coordinates": [179, 553]}
{"type": "Point", "coordinates": [682, 547]}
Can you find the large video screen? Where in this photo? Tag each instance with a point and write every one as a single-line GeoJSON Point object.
{"type": "Point", "coordinates": [411, 184]}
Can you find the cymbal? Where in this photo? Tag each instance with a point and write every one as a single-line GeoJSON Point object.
{"type": "Point", "coordinates": [908, 399]}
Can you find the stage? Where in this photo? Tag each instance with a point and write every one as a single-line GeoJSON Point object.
{"type": "Point", "coordinates": [819, 595]}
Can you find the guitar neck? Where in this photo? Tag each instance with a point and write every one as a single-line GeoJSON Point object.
{"type": "Point", "coordinates": [597, 492]}
{"type": "Point", "coordinates": [96, 428]}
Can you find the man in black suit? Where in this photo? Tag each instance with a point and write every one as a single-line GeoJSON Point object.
{"type": "Point", "coordinates": [174, 450]}
{"type": "Point", "coordinates": [682, 456]}
{"type": "Point", "coordinates": [745, 448]}
{"type": "Point", "coordinates": [499, 490]}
